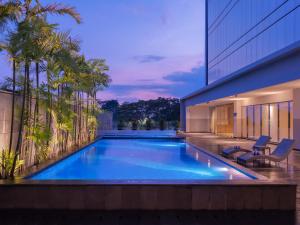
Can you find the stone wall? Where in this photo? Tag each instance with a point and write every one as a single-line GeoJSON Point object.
{"type": "Point", "coordinates": [5, 120]}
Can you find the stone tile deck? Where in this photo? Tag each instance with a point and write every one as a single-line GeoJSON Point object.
{"type": "Point", "coordinates": [291, 173]}
{"type": "Point", "coordinates": [216, 144]}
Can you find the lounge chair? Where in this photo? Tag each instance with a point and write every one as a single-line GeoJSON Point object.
{"type": "Point", "coordinates": [280, 153]}
{"type": "Point", "coordinates": [260, 144]}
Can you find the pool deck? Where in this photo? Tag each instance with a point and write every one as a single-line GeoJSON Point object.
{"type": "Point", "coordinates": [216, 143]}
{"type": "Point", "coordinates": [291, 173]}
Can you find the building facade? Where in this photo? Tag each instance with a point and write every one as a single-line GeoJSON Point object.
{"type": "Point", "coordinates": [253, 70]}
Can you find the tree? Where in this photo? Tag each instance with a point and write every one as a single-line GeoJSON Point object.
{"type": "Point", "coordinates": [134, 125]}
{"type": "Point", "coordinates": [30, 39]}
{"type": "Point", "coordinates": [148, 124]}
{"type": "Point", "coordinates": [159, 110]}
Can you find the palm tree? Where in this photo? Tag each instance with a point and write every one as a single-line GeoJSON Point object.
{"type": "Point", "coordinates": [99, 79]}
{"type": "Point", "coordinates": [23, 13]}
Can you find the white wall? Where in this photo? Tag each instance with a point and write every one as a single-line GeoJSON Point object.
{"type": "Point", "coordinates": [198, 119]}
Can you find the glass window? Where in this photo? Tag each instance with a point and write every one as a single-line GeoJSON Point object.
{"type": "Point", "coordinates": [257, 121]}
{"type": "Point", "coordinates": [250, 122]}
{"type": "Point", "coordinates": [274, 122]}
{"type": "Point", "coordinates": [213, 120]}
{"type": "Point", "coordinates": [291, 120]}
{"type": "Point", "coordinates": [283, 120]}
{"type": "Point", "coordinates": [265, 120]}
{"type": "Point", "coordinates": [244, 122]}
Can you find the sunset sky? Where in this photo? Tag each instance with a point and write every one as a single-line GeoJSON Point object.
{"type": "Point", "coordinates": [154, 48]}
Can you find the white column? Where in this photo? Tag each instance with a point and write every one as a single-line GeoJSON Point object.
{"type": "Point", "coordinates": [182, 116]}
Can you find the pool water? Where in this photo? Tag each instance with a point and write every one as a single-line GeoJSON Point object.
{"type": "Point", "coordinates": [140, 159]}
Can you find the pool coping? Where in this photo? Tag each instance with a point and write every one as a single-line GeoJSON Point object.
{"type": "Point", "coordinates": [248, 172]}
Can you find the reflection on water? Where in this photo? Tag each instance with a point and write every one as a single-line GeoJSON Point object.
{"type": "Point", "coordinates": [140, 159]}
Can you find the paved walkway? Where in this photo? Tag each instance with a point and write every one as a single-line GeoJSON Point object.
{"type": "Point", "coordinates": [216, 144]}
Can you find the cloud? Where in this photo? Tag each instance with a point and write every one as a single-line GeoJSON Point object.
{"type": "Point", "coordinates": [146, 80]}
{"type": "Point", "coordinates": [185, 83]}
{"type": "Point", "coordinates": [148, 58]}
{"type": "Point", "coordinates": [179, 84]}
{"type": "Point", "coordinates": [195, 74]}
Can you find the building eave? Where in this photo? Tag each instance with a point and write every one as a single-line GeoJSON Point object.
{"type": "Point", "coordinates": [278, 55]}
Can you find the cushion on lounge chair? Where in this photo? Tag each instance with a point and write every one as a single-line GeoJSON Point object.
{"type": "Point", "coordinates": [283, 148]}
{"type": "Point", "coordinates": [261, 142]}
{"type": "Point", "coordinates": [245, 157]}
{"type": "Point", "coordinates": [230, 151]}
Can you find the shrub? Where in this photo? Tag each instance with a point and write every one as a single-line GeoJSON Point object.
{"type": "Point", "coordinates": [134, 125]}
{"type": "Point", "coordinates": [6, 163]}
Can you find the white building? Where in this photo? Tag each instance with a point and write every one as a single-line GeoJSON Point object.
{"type": "Point", "coordinates": [253, 70]}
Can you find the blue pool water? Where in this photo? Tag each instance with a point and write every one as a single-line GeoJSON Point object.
{"type": "Point", "coordinates": [140, 159]}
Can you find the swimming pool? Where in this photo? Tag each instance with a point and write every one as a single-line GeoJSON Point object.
{"type": "Point", "coordinates": [140, 159]}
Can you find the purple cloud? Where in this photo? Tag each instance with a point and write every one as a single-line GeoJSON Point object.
{"type": "Point", "coordinates": [148, 58]}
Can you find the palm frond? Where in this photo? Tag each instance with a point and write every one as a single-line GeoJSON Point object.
{"type": "Point", "coordinates": [9, 11]}
{"type": "Point", "coordinates": [57, 9]}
